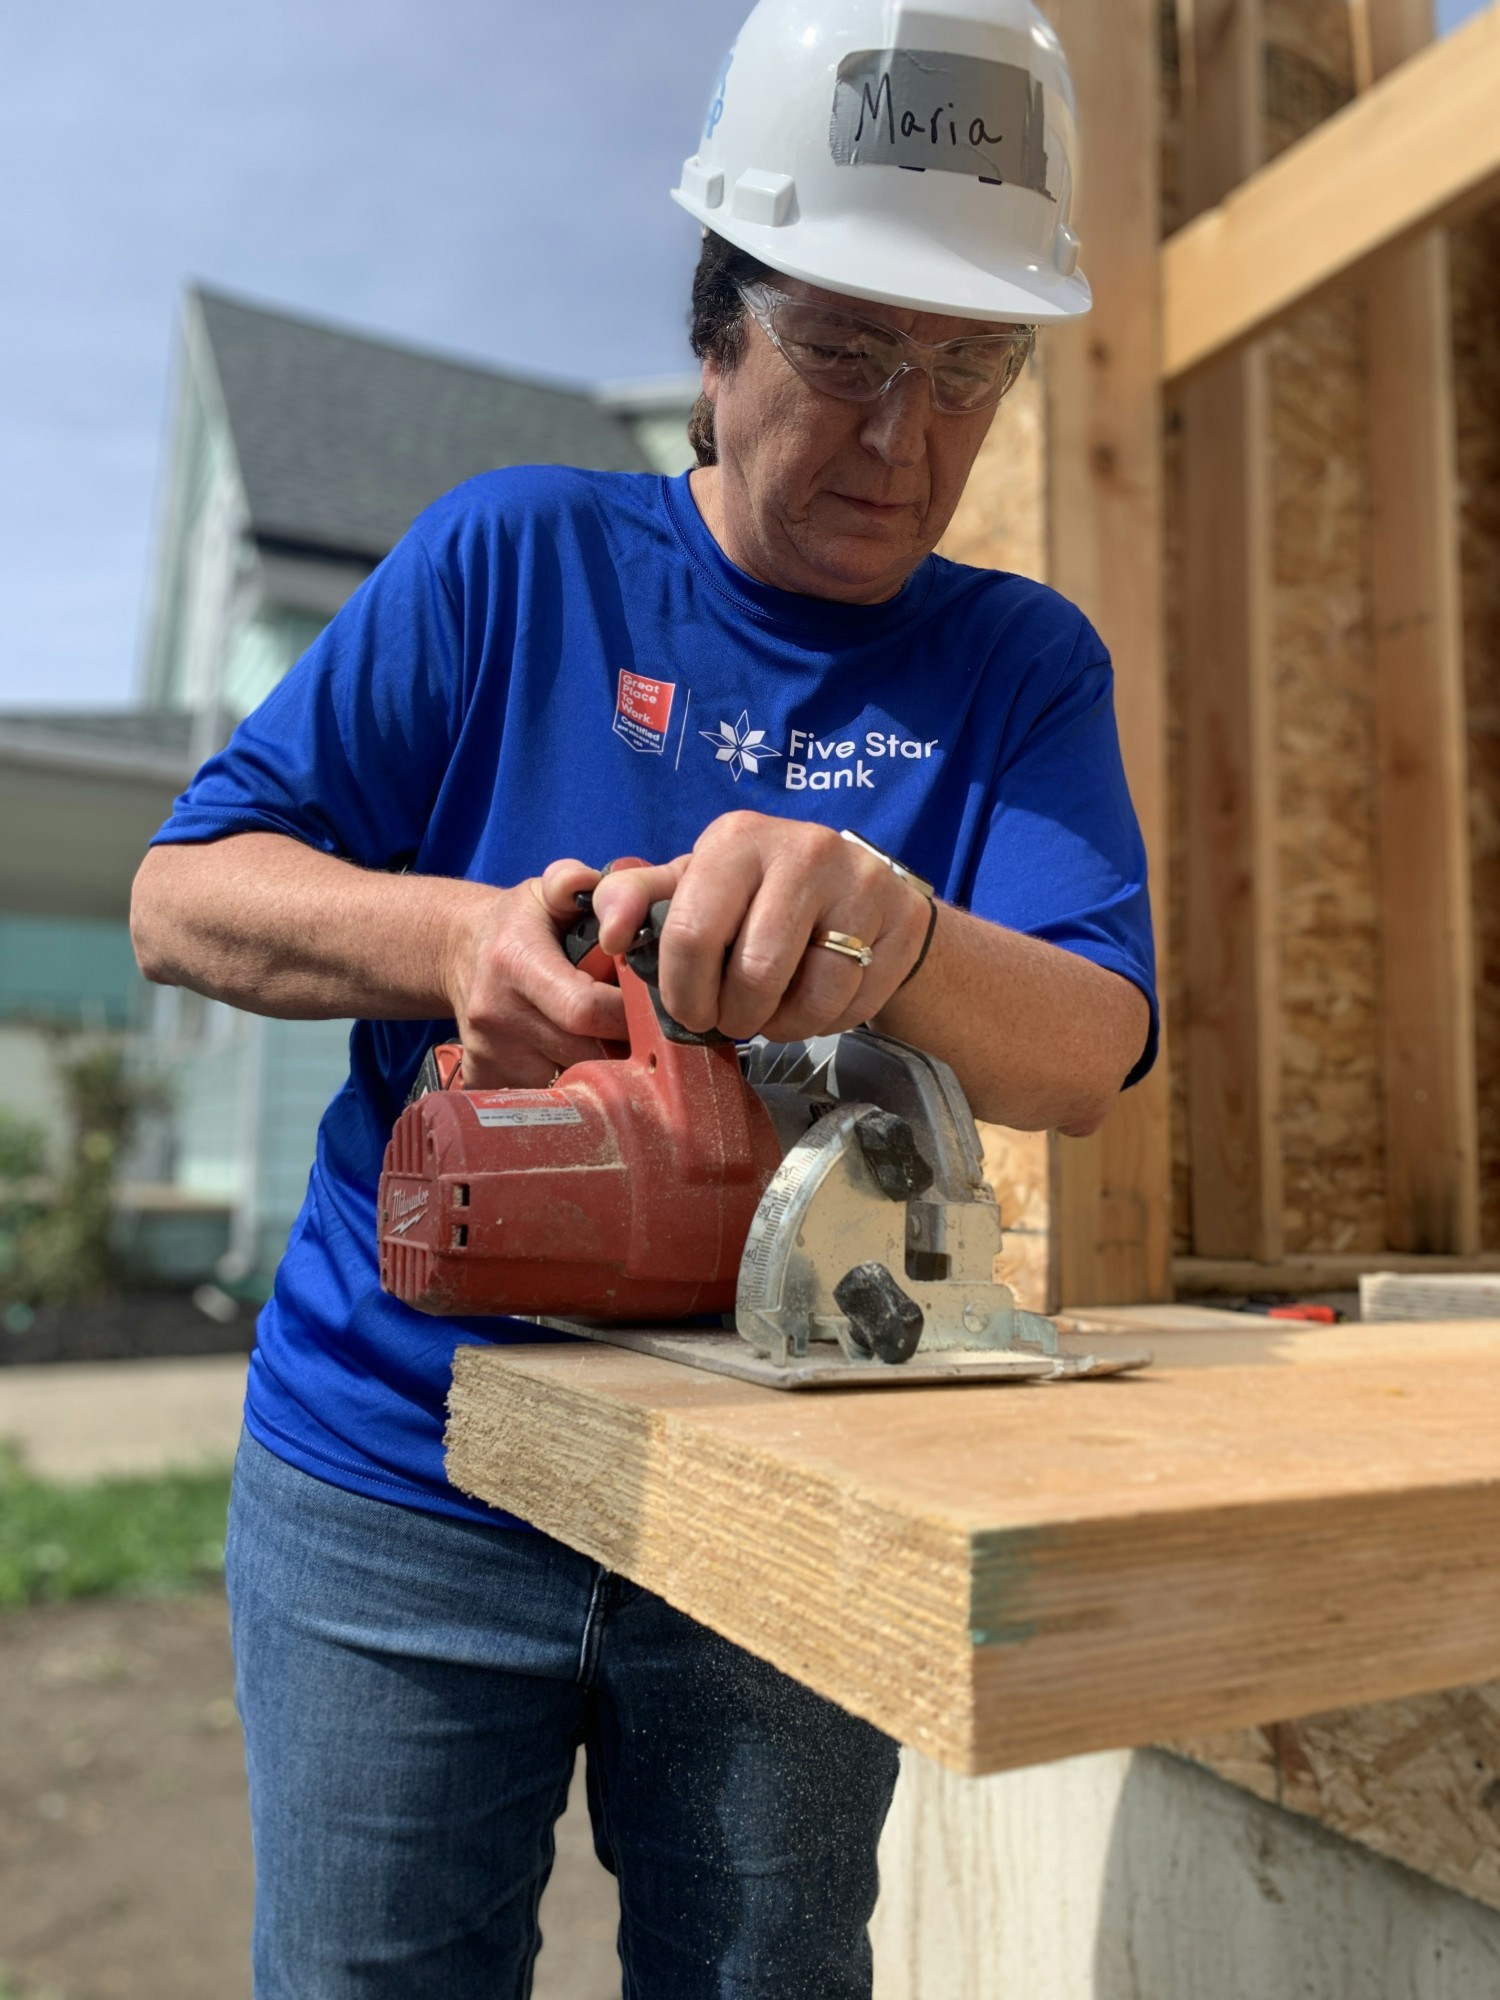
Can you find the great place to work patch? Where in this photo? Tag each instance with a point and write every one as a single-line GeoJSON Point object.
{"type": "Point", "coordinates": [923, 108]}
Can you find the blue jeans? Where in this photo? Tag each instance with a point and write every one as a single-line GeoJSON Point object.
{"type": "Point", "coordinates": [414, 1689]}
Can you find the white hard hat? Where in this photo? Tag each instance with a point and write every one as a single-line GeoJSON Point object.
{"type": "Point", "coordinates": [917, 155]}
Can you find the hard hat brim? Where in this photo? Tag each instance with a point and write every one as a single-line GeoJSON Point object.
{"type": "Point", "coordinates": [887, 261]}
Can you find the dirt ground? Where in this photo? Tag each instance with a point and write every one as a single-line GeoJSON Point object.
{"type": "Point", "coordinates": [125, 1867]}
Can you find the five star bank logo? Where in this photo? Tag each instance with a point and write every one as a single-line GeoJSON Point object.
{"type": "Point", "coordinates": [739, 746]}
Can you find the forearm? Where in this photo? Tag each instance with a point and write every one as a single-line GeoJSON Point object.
{"type": "Point", "coordinates": [1039, 1037]}
{"type": "Point", "coordinates": [270, 925]}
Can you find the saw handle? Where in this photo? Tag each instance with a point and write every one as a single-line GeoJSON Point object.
{"type": "Point", "coordinates": [442, 1066]}
{"type": "Point", "coordinates": [643, 958]}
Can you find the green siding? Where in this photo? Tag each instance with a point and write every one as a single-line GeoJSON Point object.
{"type": "Point", "coordinates": [306, 1063]}
{"type": "Point", "coordinates": [261, 652]}
{"type": "Point", "coordinates": [208, 1090]}
{"type": "Point", "coordinates": [76, 972]}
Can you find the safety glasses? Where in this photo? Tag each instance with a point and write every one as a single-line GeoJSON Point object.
{"type": "Point", "coordinates": [857, 359]}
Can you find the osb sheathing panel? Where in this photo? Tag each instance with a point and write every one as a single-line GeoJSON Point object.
{"type": "Point", "coordinates": [1001, 524]}
{"type": "Point", "coordinates": [1332, 1131]}
{"type": "Point", "coordinates": [1328, 966]}
{"type": "Point", "coordinates": [1333, 1141]}
{"type": "Point", "coordinates": [1476, 315]}
{"type": "Point", "coordinates": [1416, 1780]}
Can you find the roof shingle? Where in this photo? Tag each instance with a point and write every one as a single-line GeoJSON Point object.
{"type": "Point", "coordinates": [342, 440]}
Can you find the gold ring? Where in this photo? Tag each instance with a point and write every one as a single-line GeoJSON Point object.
{"type": "Point", "coordinates": [846, 946]}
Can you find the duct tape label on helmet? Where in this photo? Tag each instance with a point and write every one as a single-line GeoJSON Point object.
{"type": "Point", "coordinates": [924, 108]}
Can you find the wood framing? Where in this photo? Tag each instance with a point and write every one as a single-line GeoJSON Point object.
{"type": "Point", "coordinates": [1321, 1271]}
{"type": "Point", "coordinates": [1418, 148]}
{"type": "Point", "coordinates": [1425, 917]}
{"type": "Point", "coordinates": [1112, 1235]}
{"type": "Point", "coordinates": [1272, 1521]}
{"type": "Point", "coordinates": [1229, 1038]}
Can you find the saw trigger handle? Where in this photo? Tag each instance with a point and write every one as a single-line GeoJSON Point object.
{"type": "Point", "coordinates": [581, 943]}
{"type": "Point", "coordinates": [442, 1067]}
{"type": "Point", "coordinates": [644, 959]}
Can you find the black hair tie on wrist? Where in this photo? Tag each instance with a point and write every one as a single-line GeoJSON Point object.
{"type": "Point", "coordinates": [926, 945]}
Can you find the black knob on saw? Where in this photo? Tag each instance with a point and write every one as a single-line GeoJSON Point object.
{"type": "Point", "coordinates": [893, 1156]}
{"type": "Point", "coordinates": [884, 1321]}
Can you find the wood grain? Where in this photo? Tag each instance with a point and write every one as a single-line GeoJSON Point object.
{"type": "Point", "coordinates": [1420, 147]}
{"type": "Point", "coordinates": [1426, 914]}
{"type": "Point", "coordinates": [1230, 1043]}
{"type": "Point", "coordinates": [1274, 1521]}
{"type": "Point", "coordinates": [1474, 254]}
{"type": "Point", "coordinates": [1319, 1272]}
{"type": "Point", "coordinates": [1105, 507]}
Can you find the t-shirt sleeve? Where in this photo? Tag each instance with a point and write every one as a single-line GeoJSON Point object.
{"type": "Point", "coordinates": [1061, 856]}
{"type": "Point", "coordinates": [349, 751]}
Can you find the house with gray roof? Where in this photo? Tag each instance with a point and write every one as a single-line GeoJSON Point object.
{"type": "Point", "coordinates": [297, 455]}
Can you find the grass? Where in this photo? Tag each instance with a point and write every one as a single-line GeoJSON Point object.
{"type": "Point", "coordinates": [10, 1991]}
{"type": "Point", "coordinates": [153, 1536]}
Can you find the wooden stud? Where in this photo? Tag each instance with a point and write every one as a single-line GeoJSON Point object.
{"type": "Point", "coordinates": [1421, 147]}
{"type": "Point", "coordinates": [1320, 1271]}
{"type": "Point", "coordinates": [1104, 490]}
{"type": "Point", "coordinates": [1230, 1039]}
{"type": "Point", "coordinates": [1426, 916]}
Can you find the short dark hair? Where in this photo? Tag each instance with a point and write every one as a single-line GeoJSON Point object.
{"type": "Point", "coordinates": [716, 325]}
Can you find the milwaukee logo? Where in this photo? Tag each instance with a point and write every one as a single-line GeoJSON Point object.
{"type": "Point", "coordinates": [404, 1208]}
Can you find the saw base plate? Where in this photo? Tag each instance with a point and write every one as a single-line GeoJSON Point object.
{"type": "Point", "coordinates": [727, 1354]}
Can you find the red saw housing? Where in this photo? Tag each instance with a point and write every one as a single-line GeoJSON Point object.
{"type": "Point", "coordinates": [624, 1192]}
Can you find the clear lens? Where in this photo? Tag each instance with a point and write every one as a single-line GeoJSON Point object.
{"type": "Point", "coordinates": [853, 358]}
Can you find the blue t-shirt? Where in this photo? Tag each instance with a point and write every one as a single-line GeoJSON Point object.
{"type": "Point", "coordinates": [556, 662]}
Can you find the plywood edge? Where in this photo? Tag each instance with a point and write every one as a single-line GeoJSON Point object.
{"type": "Point", "coordinates": [1000, 1577]}
{"type": "Point", "coordinates": [866, 1604]}
{"type": "Point", "coordinates": [1224, 1618]}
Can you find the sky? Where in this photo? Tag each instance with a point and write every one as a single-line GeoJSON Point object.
{"type": "Point", "coordinates": [488, 177]}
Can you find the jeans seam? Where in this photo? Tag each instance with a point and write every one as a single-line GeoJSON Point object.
{"type": "Point", "coordinates": [593, 1620]}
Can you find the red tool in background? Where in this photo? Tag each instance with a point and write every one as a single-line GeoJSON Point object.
{"type": "Point", "coordinates": [625, 1191]}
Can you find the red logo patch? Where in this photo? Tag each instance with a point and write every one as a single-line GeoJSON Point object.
{"type": "Point", "coordinates": [643, 709]}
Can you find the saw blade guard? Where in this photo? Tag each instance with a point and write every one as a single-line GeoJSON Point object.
{"type": "Point", "coordinates": [878, 1232]}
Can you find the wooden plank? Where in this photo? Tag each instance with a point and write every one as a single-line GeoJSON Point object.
{"type": "Point", "coordinates": [1416, 1780]}
{"type": "Point", "coordinates": [1422, 147]}
{"type": "Point", "coordinates": [1230, 1039]}
{"type": "Point", "coordinates": [1326, 1271]}
{"type": "Point", "coordinates": [1276, 1520]}
{"type": "Point", "coordinates": [1104, 494]}
{"type": "Point", "coordinates": [1426, 909]}
{"type": "Point", "coordinates": [1387, 1295]}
